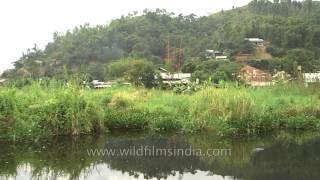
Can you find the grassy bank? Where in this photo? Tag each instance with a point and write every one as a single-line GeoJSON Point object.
{"type": "Point", "coordinates": [37, 111]}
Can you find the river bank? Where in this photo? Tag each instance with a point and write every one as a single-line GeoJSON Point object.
{"type": "Point", "coordinates": [39, 111]}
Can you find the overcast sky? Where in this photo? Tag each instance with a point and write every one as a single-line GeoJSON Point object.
{"type": "Point", "coordinates": [25, 22]}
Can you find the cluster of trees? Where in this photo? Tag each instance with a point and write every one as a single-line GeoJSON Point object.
{"type": "Point", "coordinates": [282, 7]}
{"type": "Point", "coordinates": [290, 62]}
{"type": "Point", "coordinates": [215, 70]}
{"type": "Point", "coordinates": [140, 72]}
{"type": "Point", "coordinates": [286, 25]}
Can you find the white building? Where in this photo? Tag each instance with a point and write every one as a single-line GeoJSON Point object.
{"type": "Point", "coordinates": [311, 78]}
{"type": "Point", "coordinates": [256, 41]}
{"type": "Point", "coordinates": [175, 78]}
{"type": "Point", "coordinates": [100, 84]}
{"type": "Point", "coordinates": [2, 81]}
{"type": "Point", "coordinates": [212, 53]}
{"type": "Point", "coordinates": [222, 58]}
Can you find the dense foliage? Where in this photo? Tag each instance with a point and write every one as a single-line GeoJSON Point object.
{"type": "Point", "coordinates": [40, 109]}
{"type": "Point", "coordinates": [285, 25]}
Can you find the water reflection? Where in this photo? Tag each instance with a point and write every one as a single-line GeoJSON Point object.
{"type": "Point", "coordinates": [281, 157]}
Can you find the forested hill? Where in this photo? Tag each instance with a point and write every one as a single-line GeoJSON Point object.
{"type": "Point", "coordinates": [285, 25]}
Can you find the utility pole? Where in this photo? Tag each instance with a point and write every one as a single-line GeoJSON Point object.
{"type": "Point", "coordinates": [180, 54]}
{"type": "Point", "coordinates": [174, 58]}
{"type": "Point", "coordinates": [168, 49]}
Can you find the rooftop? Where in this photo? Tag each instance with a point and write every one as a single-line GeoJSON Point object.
{"type": "Point", "coordinates": [175, 75]}
{"type": "Point", "coordinates": [256, 40]}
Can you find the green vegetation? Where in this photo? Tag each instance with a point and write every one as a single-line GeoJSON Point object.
{"type": "Point", "coordinates": [288, 27]}
{"type": "Point", "coordinates": [140, 72]}
{"type": "Point", "coordinates": [49, 109]}
{"type": "Point", "coordinates": [47, 93]}
{"type": "Point", "coordinates": [214, 70]}
{"type": "Point", "coordinates": [36, 103]}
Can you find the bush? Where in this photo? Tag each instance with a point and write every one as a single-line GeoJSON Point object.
{"type": "Point", "coordinates": [165, 121]}
{"type": "Point", "coordinates": [122, 100]}
{"type": "Point", "coordinates": [118, 69]}
{"type": "Point", "coordinates": [126, 119]}
{"type": "Point", "coordinates": [233, 108]}
{"type": "Point", "coordinates": [219, 76]}
{"type": "Point", "coordinates": [142, 72]}
{"type": "Point", "coordinates": [7, 111]}
{"type": "Point", "coordinates": [50, 109]}
{"type": "Point", "coordinates": [247, 47]}
{"type": "Point", "coordinates": [276, 52]}
{"type": "Point", "coordinates": [189, 67]}
{"type": "Point", "coordinates": [139, 72]}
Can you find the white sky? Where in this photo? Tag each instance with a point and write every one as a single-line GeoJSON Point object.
{"type": "Point", "coordinates": [25, 22]}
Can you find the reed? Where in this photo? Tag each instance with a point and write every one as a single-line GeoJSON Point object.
{"type": "Point", "coordinates": [39, 110]}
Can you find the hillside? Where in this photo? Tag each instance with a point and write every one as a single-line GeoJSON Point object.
{"type": "Point", "coordinates": [85, 49]}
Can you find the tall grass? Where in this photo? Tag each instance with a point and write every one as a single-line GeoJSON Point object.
{"type": "Point", "coordinates": [39, 110]}
{"type": "Point", "coordinates": [221, 108]}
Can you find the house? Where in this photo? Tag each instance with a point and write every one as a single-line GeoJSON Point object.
{"type": "Point", "coordinates": [38, 62]}
{"type": "Point", "coordinates": [2, 81]}
{"type": "Point", "coordinates": [311, 78]}
{"type": "Point", "coordinates": [255, 77]}
{"type": "Point", "coordinates": [256, 41]}
{"type": "Point", "coordinates": [213, 54]}
{"type": "Point", "coordinates": [221, 58]}
{"type": "Point", "coordinates": [174, 78]}
{"type": "Point", "coordinates": [99, 84]}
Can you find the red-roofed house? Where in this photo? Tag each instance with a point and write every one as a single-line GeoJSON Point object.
{"type": "Point", "coordinates": [255, 77]}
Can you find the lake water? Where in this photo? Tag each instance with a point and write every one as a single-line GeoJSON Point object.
{"type": "Point", "coordinates": [170, 156]}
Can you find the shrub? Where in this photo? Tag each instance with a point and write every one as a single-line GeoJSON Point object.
{"type": "Point", "coordinates": [122, 100]}
{"type": "Point", "coordinates": [165, 121]}
{"type": "Point", "coordinates": [7, 111]}
{"type": "Point", "coordinates": [50, 109]}
{"type": "Point", "coordinates": [142, 72]}
{"type": "Point", "coordinates": [230, 106]}
{"type": "Point", "coordinates": [276, 52]}
{"type": "Point", "coordinates": [126, 119]}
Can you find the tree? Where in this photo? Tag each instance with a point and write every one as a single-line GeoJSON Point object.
{"type": "Point", "coordinates": [189, 67]}
{"type": "Point", "coordinates": [219, 76]}
{"type": "Point", "coordinates": [97, 71]}
{"type": "Point", "coordinates": [230, 70]}
{"type": "Point", "coordinates": [316, 38]}
{"type": "Point", "coordinates": [300, 57]}
{"type": "Point", "coordinates": [118, 69]}
{"type": "Point", "coordinates": [247, 47]}
{"type": "Point", "coordinates": [142, 72]}
{"type": "Point", "coordinates": [275, 51]}
{"type": "Point", "coordinates": [309, 6]}
{"type": "Point", "coordinates": [285, 25]}
{"type": "Point", "coordinates": [199, 74]}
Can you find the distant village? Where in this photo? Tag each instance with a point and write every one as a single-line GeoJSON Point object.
{"type": "Point", "coordinates": [249, 75]}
